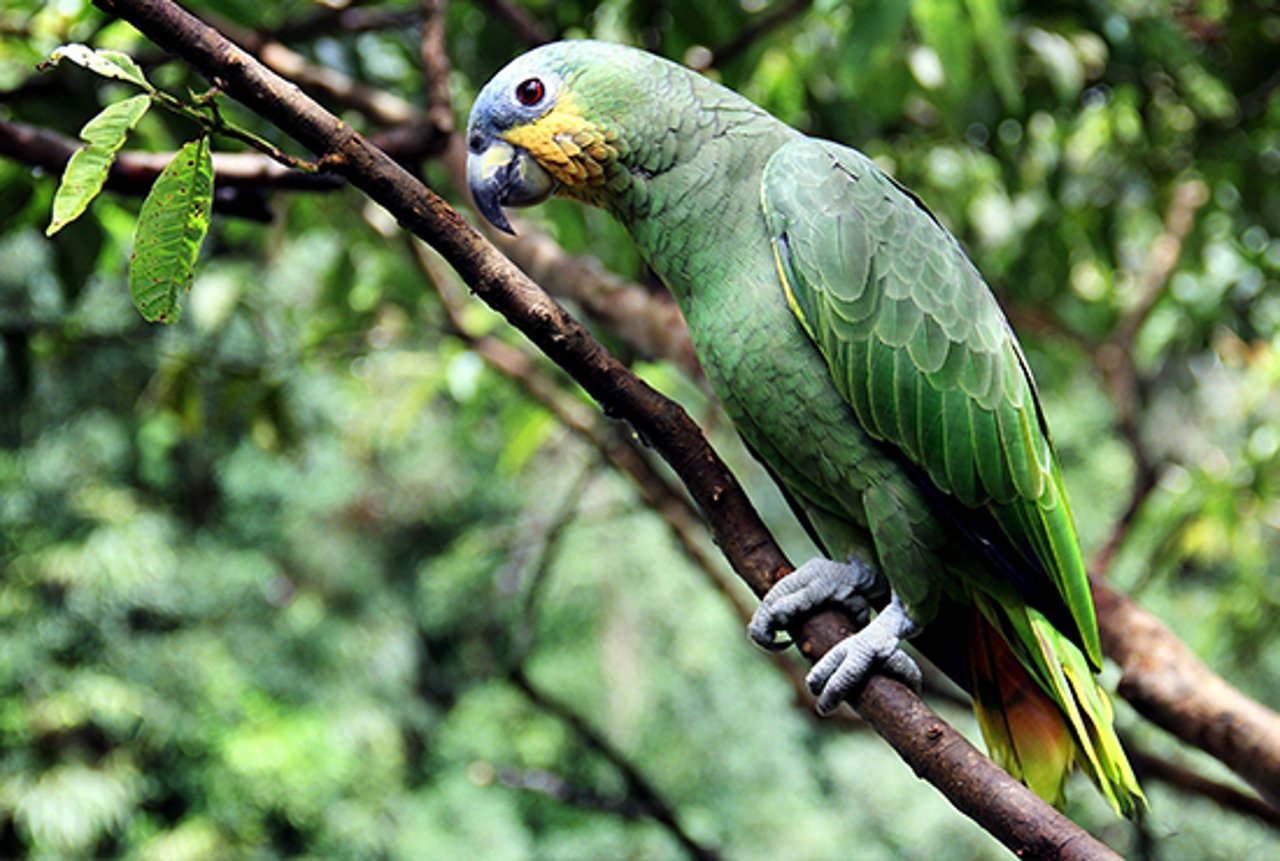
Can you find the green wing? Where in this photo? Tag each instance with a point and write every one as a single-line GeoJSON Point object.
{"type": "Point", "coordinates": [918, 346]}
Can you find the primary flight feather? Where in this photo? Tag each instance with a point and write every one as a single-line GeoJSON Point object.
{"type": "Point", "coordinates": [864, 361]}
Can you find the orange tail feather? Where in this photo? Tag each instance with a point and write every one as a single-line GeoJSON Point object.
{"type": "Point", "coordinates": [1025, 731]}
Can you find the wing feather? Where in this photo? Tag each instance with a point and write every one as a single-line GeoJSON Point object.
{"type": "Point", "coordinates": [918, 346]}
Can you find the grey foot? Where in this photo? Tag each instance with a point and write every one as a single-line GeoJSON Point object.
{"type": "Point", "coordinates": [850, 662]}
{"type": "Point", "coordinates": [817, 581]}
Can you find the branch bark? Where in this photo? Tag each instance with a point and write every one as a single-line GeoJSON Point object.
{"type": "Point", "coordinates": [134, 172]}
{"type": "Point", "coordinates": [624, 453]}
{"type": "Point", "coordinates": [1023, 822]}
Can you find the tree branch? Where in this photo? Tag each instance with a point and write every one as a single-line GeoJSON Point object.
{"type": "Point", "coordinates": [623, 452]}
{"type": "Point", "coordinates": [750, 34]}
{"type": "Point", "coordinates": [1172, 687]}
{"type": "Point", "coordinates": [650, 325]}
{"type": "Point", "coordinates": [134, 172]}
{"type": "Point", "coordinates": [1152, 767]}
{"type": "Point", "coordinates": [638, 786]}
{"type": "Point", "coordinates": [526, 27]}
{"type": "Point", "coordinates": [554, 786]}
{"type": "Point", "coordinates": [1026, 824]}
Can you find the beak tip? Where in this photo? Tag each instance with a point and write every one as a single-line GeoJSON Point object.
{"type": "Point", "coordinates": [498, 219]}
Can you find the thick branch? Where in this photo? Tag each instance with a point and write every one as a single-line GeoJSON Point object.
{"type": "Point", "coordinates": [624, 453]}
{"type": "Point", "coordinates": [1027, 825]}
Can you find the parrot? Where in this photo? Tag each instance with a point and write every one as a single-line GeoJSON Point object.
{"type": "Point", "coordinates": [864, 361]}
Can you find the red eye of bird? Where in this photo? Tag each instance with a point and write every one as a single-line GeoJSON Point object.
{"type": "Point", "coordinates": [530, 92]}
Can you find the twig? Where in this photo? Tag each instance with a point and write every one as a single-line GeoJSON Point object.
{"type": "Point", "coordinates": [527, 28]}
{"type": "Point", "coordinates": [1152, 767]}
{"type": "Point", "coordinates": [1114, 359]}
{"type": "Point", "coordinates": [1023, 822]}
{"type": "Point", "coordinates": [134, 172]}
{"type": "Point", "coordinates": [753, 32]}
{"type": "Point", "coordinates": [638, 786]}
{"type": "Point", "coordinates": [433, 50]}
{"type": "Point", "coordinates": [554, 786]}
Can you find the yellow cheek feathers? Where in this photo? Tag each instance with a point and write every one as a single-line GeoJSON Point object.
{"type": "Point", "coordinates": [570, 147]}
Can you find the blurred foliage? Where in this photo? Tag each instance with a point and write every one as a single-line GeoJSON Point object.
{"type": "Point", "coordinates": [267, 572]}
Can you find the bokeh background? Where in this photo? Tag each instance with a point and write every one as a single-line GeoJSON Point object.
{"type": "Point", "coordinates": [305, 575]}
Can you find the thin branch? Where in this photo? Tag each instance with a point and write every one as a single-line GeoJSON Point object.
{"type": "Point", "coordinates": [134, 172]}
{"type": "Point", "coordinates": [432, 48]}
{"type": "Point", "coordinates": [1180, 777]}
{"type": "Point", "coordinates": [1187, 199]}
{"type": "Point", "coordinates": [379, 106]}
{"type": "Point", "coordinates": [406, 133]}
{"type": "Point", "coordinates": [350, 18]}
{"type": "Point", "coordinates": [752, 33]}
{"type": "Point", "coordinates": [241, 178]}
{"type": "Point", "coordinates": [638, 786]}
{"type": "Point", "coordinates": [1114, 359]}
{"type": "Point", "coordinates": [1025, 823]}
{"type": "Point", "coordinates": [554, 786]}
{"type": "Point", "coordinates": [527, 28]}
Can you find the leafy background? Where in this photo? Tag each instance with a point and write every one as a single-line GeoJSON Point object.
{"type": "Point", "coordinates": [302, 577]}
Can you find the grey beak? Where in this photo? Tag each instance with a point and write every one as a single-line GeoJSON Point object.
{"type": "Point", "coordinates": [500, 174]}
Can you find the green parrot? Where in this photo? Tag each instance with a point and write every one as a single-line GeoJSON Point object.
{"type": "Point", "coordinates": [865, 362]}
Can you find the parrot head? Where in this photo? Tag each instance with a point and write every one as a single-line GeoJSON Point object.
{"type": "Point", "coordinates": [549, 123]}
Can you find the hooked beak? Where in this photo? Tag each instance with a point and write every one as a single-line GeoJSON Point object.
{"type": "Point", "coordinates": [500, 174]}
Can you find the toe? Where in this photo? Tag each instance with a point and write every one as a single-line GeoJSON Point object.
{"type": "Point", "coordinates": [901, 666]}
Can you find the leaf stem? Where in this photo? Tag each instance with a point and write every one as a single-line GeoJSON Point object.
{"type": "Point", "coordinates": [205, 113]}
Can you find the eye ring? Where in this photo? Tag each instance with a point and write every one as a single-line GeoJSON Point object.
{"type": "Point", "coordinates": [530, 91]}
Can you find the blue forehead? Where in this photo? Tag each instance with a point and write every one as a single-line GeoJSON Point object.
{"type": "Point", "coordinates": [496, 108]}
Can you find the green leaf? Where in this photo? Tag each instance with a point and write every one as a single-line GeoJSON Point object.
{"type": "Point", "coordinates": [87, 169]}
{"type": "Point", "coordinates": [171, 226]}
{"type": "Point", "coordinates": [997, 47]}
{"type": "Point", "coordinates": [876, 24]}
{"type": "Point", "coordinates": [945, 27]}
{"type": "Point", "coordinates": [108, 64]}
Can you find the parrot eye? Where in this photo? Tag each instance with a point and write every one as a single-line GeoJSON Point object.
{"type": "Point", "coordinates": [529, 92]}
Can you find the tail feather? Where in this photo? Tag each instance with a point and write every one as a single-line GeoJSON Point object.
{"type": "Point", "coordinates": [1025, 732]}
{"type": "Point", "coordinates": [1040, 707]}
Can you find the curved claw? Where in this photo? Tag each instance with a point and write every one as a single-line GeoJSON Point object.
{"type": "Point", "coordinates": [850, 662]}
{"type": "Point", "coordinates": [818, 581]}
